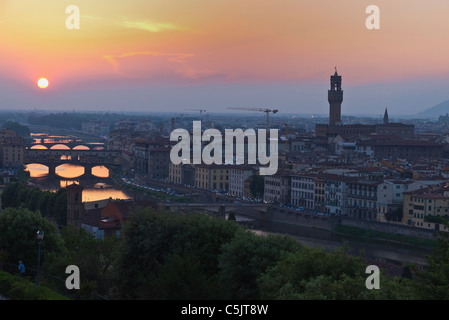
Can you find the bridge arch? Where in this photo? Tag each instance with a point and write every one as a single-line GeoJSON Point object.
{"type": "Point", "coordinates": [37, 170]}
{"type": "Point", "coordinates": [64, 157]}
{"type": "Point", "coordinates": [59, 146]}
{"type": "Point", "coordinates": [39, 147]}
{"type": "Point", "coordinates": [76, 171]}
{"type": "Point", "coordinates": [100, 171]}
{"type": "Point", "coordinates": [81, 147]}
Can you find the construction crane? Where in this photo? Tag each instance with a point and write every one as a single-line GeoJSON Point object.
{"type": "Point", "coordinates": [267, 111]}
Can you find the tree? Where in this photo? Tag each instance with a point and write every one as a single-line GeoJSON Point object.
{"type": "Point", "coordinates": [94, 258]}
{"type": "Point", "coordinates": [18, 227]}
{"type": "Point", "coordinates": [257, 185]}
{"type": "Point", "coordinates": [433, 282]}
{"type": "Point", "coordinates": [50, 204]}
{"type": "Point", "coordinates": [152, 236]}
{"type": "Point", "coordinates": [182, 278]}
{"type": "Point", "coordinates": [247, 257]}
{"type": "Point", "coordinates": [315, 274]}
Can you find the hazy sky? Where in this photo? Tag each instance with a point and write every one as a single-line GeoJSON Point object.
{"type": "Point", "coordinates": [175, 54]}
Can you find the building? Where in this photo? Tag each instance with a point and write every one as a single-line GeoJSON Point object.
{"type": "Point", "coordinates": [335, 98]}
{"type": "Point", "coordinates": [401, 149]}
{"type": "Point", "coordinates": [238, 175]}
{"type": "Point", "coordinates": [336, 194]}
{"type": "Point", "coordinates": [143, 152]}
{"type": "Point", "coordinates": [182, 174]}
{"type": "Point", "coordinates": [75, 206]}
{"type": "Point", "coordinates": [320, 194]}
{"type": "Point", "coordinates": [12, 149]}
{"type": "Point", "coordinates": [362, 199]}
{"type": "Point", "coordinates": [141, 156]}
{"type": "Point", "coordinates": [96, 127]}
{"type": "Point", "coordinates": [303, 191]}
{"type": "Point", "coordinates": [108, 220]}
{"type": "Point", "coordinates": [324, 132]}
{"type": "Point", "coordinates": [277, 187]}
{"type": "Point", "coordinates": [427, 207]}
{"type": "Point", "coordinates": [213, 177]}
{"type": "Point", "coordinates": [158, 162]}
{"type": "Point", "coordinates": [390, 198]}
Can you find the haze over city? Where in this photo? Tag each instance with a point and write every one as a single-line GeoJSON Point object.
{"type": "Point", "coordinates": [171, 55]}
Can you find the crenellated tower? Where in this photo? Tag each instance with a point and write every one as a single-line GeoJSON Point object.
{"type": "Point", "coordinates": [335, 98]}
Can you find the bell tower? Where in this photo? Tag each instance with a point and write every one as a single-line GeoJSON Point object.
{"type": "Point", "coordinates": [335, 98]}
{"type": "Point", "coordinates": [75, 206]}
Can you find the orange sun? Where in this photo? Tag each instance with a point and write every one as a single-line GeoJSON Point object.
{"type": "Point", "coordinates": [42, 83]}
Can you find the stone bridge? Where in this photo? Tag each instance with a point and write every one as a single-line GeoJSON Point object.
{"type": "Point", "coordinates": [219, 209]}
{"type": "Point", "coordinates": [86, 158]}
{"type": "Point", "coordinates": [70, 144]}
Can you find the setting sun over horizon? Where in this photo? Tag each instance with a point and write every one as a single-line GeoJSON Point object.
{"type": "Point", "coordinates": [42, 83]}
{"type": "Point", "coordinates": [153, 55]}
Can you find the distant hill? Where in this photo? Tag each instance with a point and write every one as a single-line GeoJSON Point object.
{"type": "Point", "coordinates": [435, 111]}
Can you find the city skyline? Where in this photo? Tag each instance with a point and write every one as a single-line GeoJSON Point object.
{"type": "Point", "coordinates": [151, 56]}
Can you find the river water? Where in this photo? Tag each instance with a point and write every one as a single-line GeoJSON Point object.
{"type": "Point", "coordinates": [391, 256]}
{"type": "Point", "coordinates": [96, 188]}
{"type": "Point", "coordinates": [99, 186]}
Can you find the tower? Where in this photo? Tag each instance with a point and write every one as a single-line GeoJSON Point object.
{"type": "Point", "coordinates": [386, 120]}
{"type": "Point", "coordinates": [75, 207]}
{"type": "Point", "coordinates": [335, 98]}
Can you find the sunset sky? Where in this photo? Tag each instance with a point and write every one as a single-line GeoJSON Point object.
{"type": "Point", "coordinates": [169, 55]}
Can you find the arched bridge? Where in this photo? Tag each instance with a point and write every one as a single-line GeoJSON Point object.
{"type": "Point", "coordinates": [219, 209]}
{"type": "Point", "coordinates": [68, 145]}
{"type": "Point", "coordinates": [87, 158]}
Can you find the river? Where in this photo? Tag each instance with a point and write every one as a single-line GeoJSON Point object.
{"type": "Point", "coordinates": [391, 256]}
{"type": "Point", "coordinates": [98, 186]}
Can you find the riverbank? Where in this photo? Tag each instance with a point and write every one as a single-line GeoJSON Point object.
{"type": "Point", "coordinates": [370, 235]}
{"type": "Point", "coordinates": [391, 252]}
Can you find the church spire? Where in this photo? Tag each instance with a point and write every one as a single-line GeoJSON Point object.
{"type": "Point", "coordinates": [386, 120]}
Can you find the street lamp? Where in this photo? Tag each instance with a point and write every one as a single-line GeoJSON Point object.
{"type": "Point", "coordinates": [40, 236]}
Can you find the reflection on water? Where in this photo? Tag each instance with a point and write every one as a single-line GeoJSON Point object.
{"type": "Point", "coordinates": [69, 171]}
{"type": "Point", "coordinates": [100, 171]}
{"type": "Point", "coordinates": [36, 170]}
{"type": "Point", "coordinates": [60, 147]}
{"type": "Point", "coordinates": [81, 148]}
{"type": "Point", "coordinates": [69, 174]}
{"type": "Point", "coordinates": [60, 142]}
{"type": "Point", "coordinates": [39, 146]}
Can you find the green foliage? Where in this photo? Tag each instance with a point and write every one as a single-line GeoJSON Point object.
{"type": "Point", "coordinates": [49, 204]}
{"type": "Point", "coordinates": [436, 219]}
{"type": "Point", "coordinates": [367, 234]}
{"type": "Point", "coordinates": [433, 282]}
{"type": "Point", "coordinates": [152, 236]}
{"type": "Point", "coordinates": [169, 256]}
{"type": "Point", "coordinates": [246, 257]}
{"type": "Point", "coordinates": [257, 185]}
{"type": "Point", "coordinates": [182, 278]}
{"type": "Point", "coordinates": [93, 257]}
{"type": "Point", "coordinates": [407, 273]}
{"type": "Point", "coordinates": [18, 227]}
{"type": "Point", "coordinates": [315, 274]}
{"type": "Point", "coordinates": [16, 288]}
